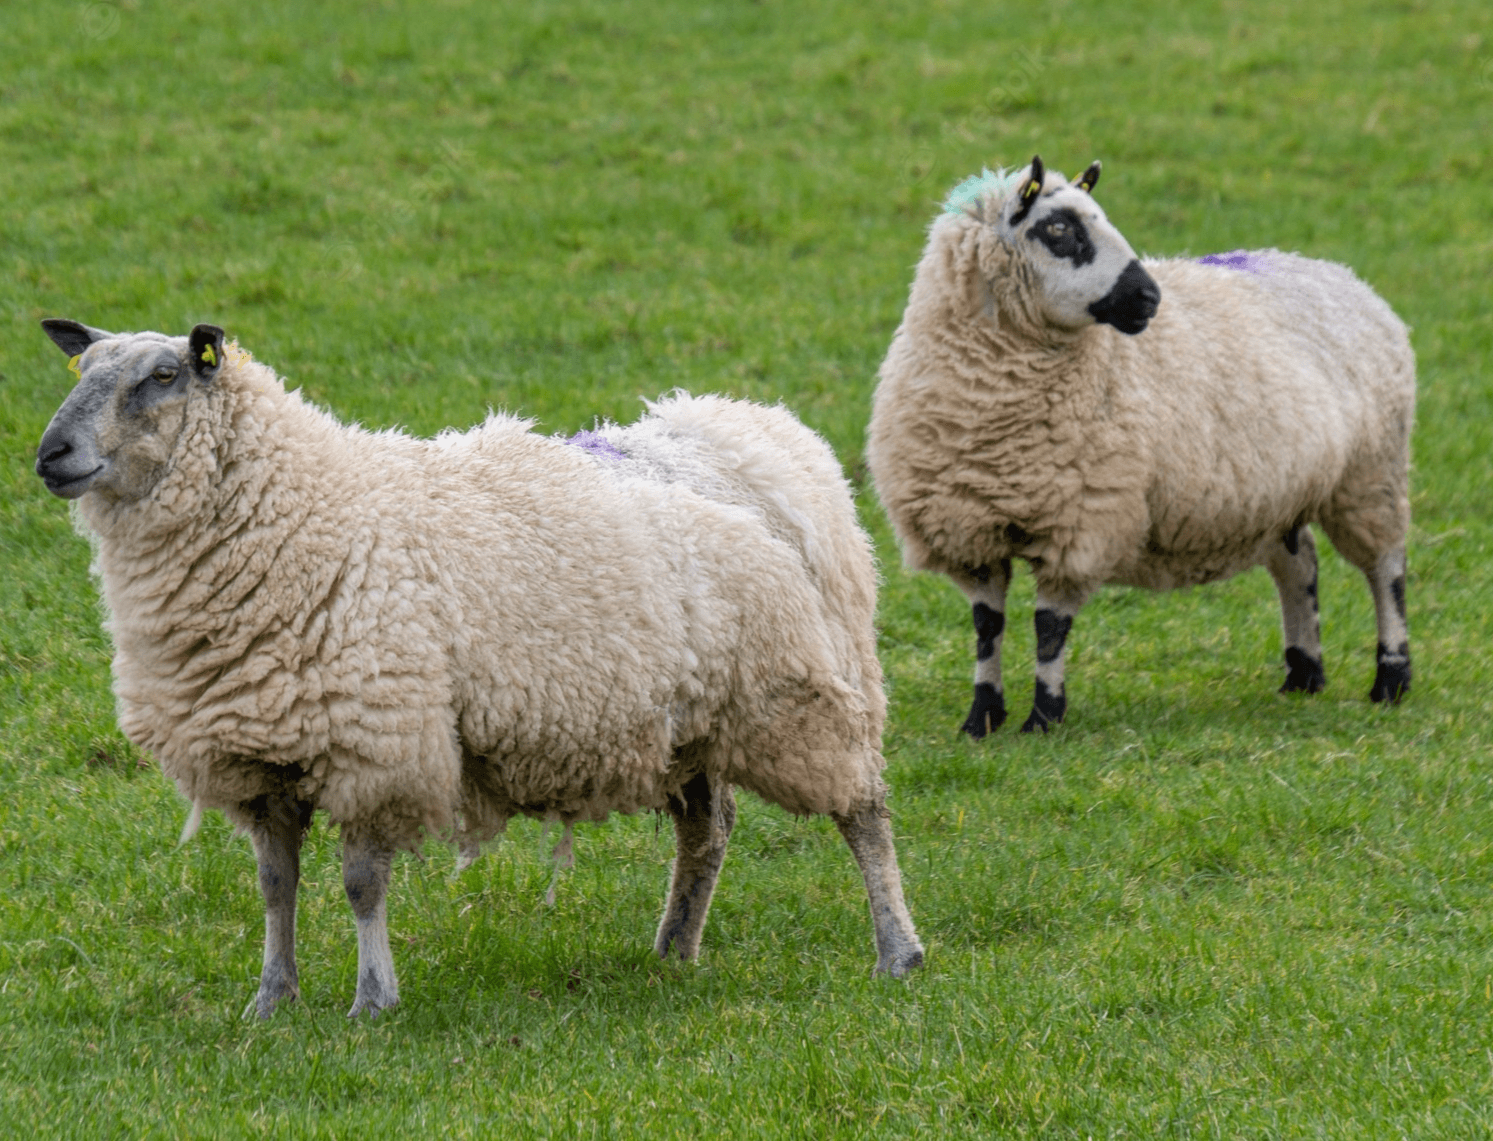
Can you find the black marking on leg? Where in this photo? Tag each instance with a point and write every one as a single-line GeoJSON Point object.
{"type": "Point", "coordinates": [1304, 672]}
{"type": "Point", "coordinates": [685, 902]}
{"type": "Point", "coordinates": [1047, 708]}
{"type": "Point", "coordinates": [1311, 590]}
{"type": "Point", "coordinates": [1292, 540]}
{"type": "Point", "coordinates": [1392, 678]}
{"type": "Point", "coordinates": [989, 624]}
{"type": "Point", "coordinates": [1052, 632]}
{"type": "Point", "coordinates": [980, 573]}
{"type": "Point", "coordinates": [1397, 589]}
{"type": "Point", "coordinates": [987, 713]}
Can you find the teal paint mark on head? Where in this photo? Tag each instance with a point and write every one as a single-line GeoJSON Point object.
{"type": "Point", "coordinates": [994, 183]}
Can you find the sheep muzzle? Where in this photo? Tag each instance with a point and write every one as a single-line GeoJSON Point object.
{"type": "Point", "coordinates": [1131, 302]}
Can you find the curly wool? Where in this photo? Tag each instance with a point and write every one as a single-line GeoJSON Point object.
{"type": "Point", "coordinates": [1254, 401]}
{"type": "Point", "coordinates": [434, 635]}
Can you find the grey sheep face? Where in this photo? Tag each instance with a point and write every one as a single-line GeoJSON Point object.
{"type": "Point", "coordinates": [117, 429]}
{"type": "Point", "coordinates": [1085, 271]}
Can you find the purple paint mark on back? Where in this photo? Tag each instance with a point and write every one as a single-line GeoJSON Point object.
{"type": "Point", "coordinates": [1242, 260]}
{"type": "Point", "coordinates": [597, 444]}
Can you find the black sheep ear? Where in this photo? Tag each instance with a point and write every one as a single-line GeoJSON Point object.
{"type": "Point", "coordinates": [1027, 195]}
{"type": "Point", "coordinates": [1089, 178]}
{"type": "Point", "coordinates": [205, 351]}
{"type": "Point", "coordinates": [72, 337]}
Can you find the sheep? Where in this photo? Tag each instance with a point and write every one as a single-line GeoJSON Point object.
{"type": "Point", "coordinates": [1041, 401]}
{"type": "Point", "coordinates": [426, 637]}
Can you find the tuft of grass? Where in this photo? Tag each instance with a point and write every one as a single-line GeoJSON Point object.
{"type": "Point", "coordinates": [1199, 909]}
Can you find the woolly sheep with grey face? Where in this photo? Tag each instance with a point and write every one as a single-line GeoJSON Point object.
{"type": "Point", "coordinates": [1160, 423]}
{"type": "Point", "coordinates": [427, 637]}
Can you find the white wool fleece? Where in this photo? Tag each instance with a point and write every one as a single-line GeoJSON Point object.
{"type": "Point", "coordinates": [437, 634]}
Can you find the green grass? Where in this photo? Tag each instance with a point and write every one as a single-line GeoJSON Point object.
{"type": "Point", "coordinates": [1197, 910]}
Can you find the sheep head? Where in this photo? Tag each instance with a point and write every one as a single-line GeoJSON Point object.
{"type": "Point", "coordinates": [115, 432]}
{"type": "Point", "coordinates": [1082, 270]}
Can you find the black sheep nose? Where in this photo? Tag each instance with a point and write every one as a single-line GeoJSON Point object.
{"type": "Point", "coordinates": [46, 456]}
{"type": "Point", "coordinates": [1150, 298]}
{"type": "Point", "coordinates": [1131, 302]}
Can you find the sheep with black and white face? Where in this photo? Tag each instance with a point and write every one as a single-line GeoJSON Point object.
{"type": "Point", "coordinates": [1052, 397]}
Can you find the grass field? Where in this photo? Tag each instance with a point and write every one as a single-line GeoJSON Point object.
{"type": "Point", "coordinates": [1197, 910]}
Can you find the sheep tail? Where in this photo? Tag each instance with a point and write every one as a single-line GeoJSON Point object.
{"type": "Point", "coordinates": [194, 822]}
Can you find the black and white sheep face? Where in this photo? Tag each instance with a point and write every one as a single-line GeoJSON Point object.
{"type": "Point", "coordinates": [115, 432]}
{"type": "Point", "coordinates": [1084, 269]}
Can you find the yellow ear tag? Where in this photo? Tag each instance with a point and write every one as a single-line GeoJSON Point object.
{"type": "Point", "coordinates": [72, 364]}
{"type": "Point", "coordinates": [209, 356]}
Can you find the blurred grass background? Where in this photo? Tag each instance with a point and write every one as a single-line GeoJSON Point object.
{"type": "Point", "coordinates": [1198, 910]}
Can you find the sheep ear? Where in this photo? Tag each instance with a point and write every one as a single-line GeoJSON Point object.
{"type": "Point", "coordinates": [1030, 189]}
{"type": "Point", "coordinates": [205, 351]}
{"type": "Point", "coordinates": [71, 336]}
{"type": "Point", "coordinates": [1089, 178]}
{"type": "Point", "coordinates": [1033, 184]}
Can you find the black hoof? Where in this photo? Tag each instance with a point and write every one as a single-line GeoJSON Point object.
{"type": "Point", "coordinates": [1391, 682]}
{"type": "Point", "coordinates": [988, 712]}
{"type": "Point", "coordinates": [1305, 673]}
{"type": "Point", "coordinates": [1036, 723]}
{"type": "Point", "coordinates": [1047, 709]}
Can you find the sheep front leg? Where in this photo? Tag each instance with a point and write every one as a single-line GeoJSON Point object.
{"type": "Point", "coordinates": [1387, 582]}
{"type": "Point", "coordinates": [986, 590]}
{"type": "Point", "coordinates": [701, 832]}
{"type": "Point", "coordinates": [1292, 563]}
{"type": "Point", "coordinates": [869, 834]}
{"type": "Point", "coordinates": [279, 822]}
{"type": "Point", "coordinates": [366, 864]}
{"type": "Point", "coordinates": [1053, 620]}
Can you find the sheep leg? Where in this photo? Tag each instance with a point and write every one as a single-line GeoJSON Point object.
{"type": "Point", "coordinates": [869, 834]}
{"type": "Point", "coordinates": [1387, 583]}
{"type": "Point", "coordinates": [1292, 563]}
{"type": "Point", "coordinates": [279, 823]}
{"type": "Point", "coordinates": [1053, 620]}
{"type": "Point", "coordinates": [986, 590]}
{"type": "Point", "coordinates": [366, 865]}
{"type": "Point", "coordinates": [702, 827]}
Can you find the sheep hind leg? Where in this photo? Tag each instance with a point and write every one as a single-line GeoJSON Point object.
{"type": "Point", "coordinates": [1292, 563]}
{"type": "Point", "coordinates": [366, 865]}
{"type": "Point", "coordinates": [986, 590]}
{"type": "Point", "coordinates": [1053, 621]}
{"type": "Point", "coordinates": [869, 834]}
{"type": "Point", "coordinates": [704, 814]}
{"type": "Point", "coordinates": [1387, 583]}
{"type": "Point", "coordinates": [279, 823]}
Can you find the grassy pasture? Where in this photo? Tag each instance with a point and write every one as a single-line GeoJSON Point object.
{"type": "Point", "coordinates": [1198, 910]}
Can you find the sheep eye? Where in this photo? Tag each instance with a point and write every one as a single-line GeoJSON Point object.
{"type": "Point", "coordinates": [1057, 227]}
{"type": "Point", "coordinates": [165, 374]}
